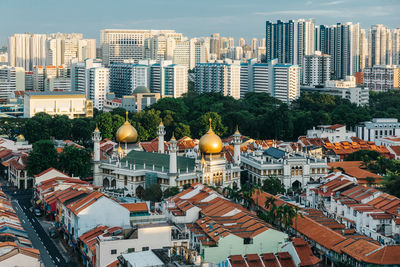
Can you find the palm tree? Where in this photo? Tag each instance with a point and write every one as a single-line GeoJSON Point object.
{"type": "Point", "coordinates": [272, 210]}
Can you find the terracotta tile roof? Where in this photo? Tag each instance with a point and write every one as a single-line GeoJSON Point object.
{"type": "Point", "coordinates": [336, 126]}
{"type": "Point", "coordinates": [304, 252]}
{"type": "Point", "coordinates": [79, 205]}
{"type": "Point", "coordinates": [387, 255]}
{"type": "Point", "coordinates": [113, 264]}
{"type": "Point", "coordinates": [270, 260]}
{"type": "Point", "coordinates": [353, 168]}
{"type": "Point", "coordinates": [396, 149]}
{"type": "Point", "coordinates": [135, 207]}
{"type": "Point", "coordinates": [285, 259]}
{"type": "Point", "coordinates": [359, 249]}
{"type": "Point", "coordinates": [237, 261]}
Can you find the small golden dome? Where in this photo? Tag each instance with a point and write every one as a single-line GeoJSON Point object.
{"type": "Point", "coordinates": [126, 133]}
{"type": "Point", "coordinates": [210, 143]}
{"type": "Point", "coordinates": [120, 150]}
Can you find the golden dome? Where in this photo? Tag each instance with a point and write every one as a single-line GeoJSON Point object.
{"type": "Point", "coordinates": [210, 143]}
{"type": "Point", "coordinates": [120, 151]}
{"type": "Point", "coordinates": [126, 133]}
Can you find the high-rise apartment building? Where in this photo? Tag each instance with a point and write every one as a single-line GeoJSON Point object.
{"type": "Point", "coordinates": [175, 80]}
{"type": "Point", "coordinates": [281, 81]}
{"type": "Point", "coordinates": [241, 42]}
{"type": "Point", "coordinates": [396, 46]}
{"type": "Point", "coordinates": [125, 77]}
{"type": "Point", "coordinates": [379, 46]}
{"type": "Point", "coordinates": [316, 69]}
{"type": "Point", "coordinates": [223, 78]}
{"type": "Point", "coordinates": [382, 78]}
{"type": "Point", "coordinates": [363, 49]}
{"type": "Point", "coordinates": [120, 45]}
{"type": "Point", "coordinates": [11, 79]}
{"type": "Point", "coordinates": [30, 50]}
{"type": "Point", "coordinates": [289, 41]}
{"type": "Point", "coordinates": [98, 86]}
{"type": "Point", "coordinates": [342, 42]}
{"type": "Point", "coordinates": [286, 82]}
{"type": "Point", "coordinates": [62, 48]}
{"type": "Point", "coordinates": [80, 73]}
{"type": "Point", "coordinates": [27, 50]}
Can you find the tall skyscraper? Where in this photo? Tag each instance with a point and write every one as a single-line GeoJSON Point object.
{"type": "Point", "coordinates": [379, 46]}
{"type": "Point", "coordinates": [98, 86]}
{"type": "Point", "coordinates": [125, 77]}
{"type": "Point", "coordinates": [242, 42]}
{"type": "Point", "coordinates": [80, 74]}
{"type": "Point", "coordinates": [342, 42]}
{"type": "Point", "coordinates": [223, 78]}
{"type": "Point", "coordinates": [175, 80]}
{"type": "Point", "coordinates": [363, 49]}
{"type": "Point", "coordinates": [254, 45]}
{"type": "Point", "coordinates": [289, 41]}
{"type": "Point", "coordinates": [281, 81]}
{"type": "Point", "coordinates": [316, 69]}
{"type": "Point", "coordinates": [120, 45]}
{"type": "Point", "coordinates": [27, 50]}
{"type": "Point", "coordinates": [396, 46]}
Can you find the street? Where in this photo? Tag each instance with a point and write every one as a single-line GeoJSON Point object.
{"type": "Point", "coordinates": [49, 253]}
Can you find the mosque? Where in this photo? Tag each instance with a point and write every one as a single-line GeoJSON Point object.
{"type": "Point", "coordinates": [130, 170]}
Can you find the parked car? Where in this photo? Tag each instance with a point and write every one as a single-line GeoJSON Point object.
{"type": "Point", "coordinates": [37, 212]}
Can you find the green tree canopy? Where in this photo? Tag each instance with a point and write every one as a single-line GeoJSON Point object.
{"type": "Point", "coordinates": [153, 193]}
{"type": "Point", "coordinates": [42, 156]}
{"type": "Point", "coordinates": [75, 161]}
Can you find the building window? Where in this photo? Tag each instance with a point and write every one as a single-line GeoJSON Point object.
{"type": "Point", "coordinates": [113, 251]}
{"type": "Point", "coordinates": [145, 248]}
{"type": "Point", "coordinates": [131, 250]}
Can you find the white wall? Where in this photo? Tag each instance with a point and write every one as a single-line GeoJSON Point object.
{"type": "Point", "coordinates": [104, 211]}
{"type": "Point", "coordinates": [152, 237]}
{"type": "Point", "coordinates": [49, 175]}
{"type": "Point", "coordinates": [21, 260]}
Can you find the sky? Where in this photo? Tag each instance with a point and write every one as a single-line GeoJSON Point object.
{"type": "Point", "coordinates": [231, 18]}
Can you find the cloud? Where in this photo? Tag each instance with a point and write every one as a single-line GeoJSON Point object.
{"type": "Point", "coordinates": [372, 11]}
{"type": "Point", "coordinates": [309, 3]}
{"type": "Point", "coordinates": [332, 3]}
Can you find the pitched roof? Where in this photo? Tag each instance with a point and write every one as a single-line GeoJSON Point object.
{"type": "Point", "coordinates": [77, 206]}
{"type": "Point", "coordinates": [304, 252]}
{"type": "Point", "coordinates": [135, 207]}
{"type": "Point", "coordinates": [354, 168]}
{"type": "Point", "coordinates": [359, 248]}
{"type": "Point", "coordinates": [387, 255]}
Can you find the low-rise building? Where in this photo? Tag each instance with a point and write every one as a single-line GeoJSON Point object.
{"type": "Point", "coordinates": [142, 237]}
{"type": "Point", "coordinates": [356, 95]}
{"type": "Point", "coordinates": [378, 128]}
{"type": "Point", "coordinates": [335, 133]}
{"type": "Point", "coordinates": [294, 169]}
{"type": "Point", "coordinates": [86, 213]}
{"type": "Point", "coordinates": [73, 105]}
{"type": "Point", "coordinates": [219, 228]}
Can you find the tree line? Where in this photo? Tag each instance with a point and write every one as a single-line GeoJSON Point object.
{"type": "Point", "coordinates": [258, 115]}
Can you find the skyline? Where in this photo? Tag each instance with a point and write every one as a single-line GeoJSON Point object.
{"type": "Point", "coordinates": [231, 20]}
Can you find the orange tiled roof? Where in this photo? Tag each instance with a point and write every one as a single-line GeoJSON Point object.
{"type": "Point", "coordinates": [135, 207]}
{"type": "Point", "coordinates": [304, 252]}
{"type": "Point", "coordinates": [359, 249]}
{"type": "Point", "coordinates": [79, 205]}
{"type": "Point", "coordinates": [388, 255]}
